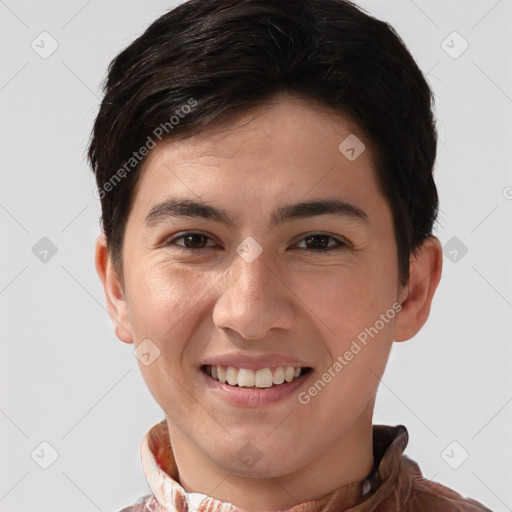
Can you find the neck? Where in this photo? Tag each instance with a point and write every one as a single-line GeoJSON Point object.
{"type": "Point", "coordinates": [350, 460]}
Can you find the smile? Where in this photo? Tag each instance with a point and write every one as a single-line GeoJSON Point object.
{"type": "Point", "coordinates": [248, 378]}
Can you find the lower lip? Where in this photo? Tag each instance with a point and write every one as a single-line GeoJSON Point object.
{"type": "Point", "coordinates": [254, 397]}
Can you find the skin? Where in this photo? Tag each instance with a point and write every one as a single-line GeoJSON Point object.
{"type": "Point", "coordinates": [303, 303]}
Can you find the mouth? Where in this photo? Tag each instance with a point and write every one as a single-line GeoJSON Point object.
{"type": "Point", "coordinates": [255, 379]}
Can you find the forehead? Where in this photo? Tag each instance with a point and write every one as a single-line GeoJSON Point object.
{"type": "Point", "coordinates": [287, 150]}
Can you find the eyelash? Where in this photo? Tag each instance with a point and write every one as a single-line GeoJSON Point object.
{"type": "Point", "coordinates": [340, 244]}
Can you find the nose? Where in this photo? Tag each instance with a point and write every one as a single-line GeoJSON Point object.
{"type": "Point", "coordinates": [254, 301]}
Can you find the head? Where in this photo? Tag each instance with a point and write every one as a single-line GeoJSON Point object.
{"type": "Point", "coordinates": [265, 176]}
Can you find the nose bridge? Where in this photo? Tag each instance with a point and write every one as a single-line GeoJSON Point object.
{"type": "Point", "coordinates": [250, 288]}
{"type": "Point", "coordinates": [252, 300]}
{"type": "Point", "coordinates": [251, 277]}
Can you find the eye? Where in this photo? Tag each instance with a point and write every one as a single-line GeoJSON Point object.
{"type": "Point", "coordinates": [316, 242]}
{"type": "Point", "coordinates": [319, 242]}
{"type": "Point", "coordinates": [191, 240]}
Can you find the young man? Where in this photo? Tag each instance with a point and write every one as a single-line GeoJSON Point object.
{"type": "Point", "coordinates": [265, 174]}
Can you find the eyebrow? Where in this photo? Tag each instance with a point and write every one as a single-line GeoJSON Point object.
{"type": "Point", "coordinates": [178, 207]}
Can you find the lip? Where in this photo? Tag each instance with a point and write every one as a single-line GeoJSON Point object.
{"type": "Point", "coordinates": [254, 397]}
{"type": "Point", "coordinates": [255, 362]}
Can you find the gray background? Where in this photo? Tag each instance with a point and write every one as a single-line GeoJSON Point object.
{"type": "Point", "coordinates": [65, 378]}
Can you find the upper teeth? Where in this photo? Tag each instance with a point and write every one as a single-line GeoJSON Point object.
{"type": "Point", "coordinates": [263, 378]}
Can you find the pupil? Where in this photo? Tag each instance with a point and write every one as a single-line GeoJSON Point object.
{"type": "Point", "coordinates": [194, 238]}
{"type": "Point", "coordinates": [324, 241]}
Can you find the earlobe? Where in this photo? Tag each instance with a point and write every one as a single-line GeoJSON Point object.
{"type": "Point", "coordinates": [425, 273]}
{"type": "Point", "coordinates": [115, 298]}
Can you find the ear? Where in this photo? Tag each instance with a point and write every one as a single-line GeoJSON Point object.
{"type": "Point", "coordinates": [116, 302]}
{"type": "Point", "coordinates": [416, 297]}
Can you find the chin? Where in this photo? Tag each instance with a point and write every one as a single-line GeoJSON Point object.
{"type": "Point", "coordinates": [257, 457]}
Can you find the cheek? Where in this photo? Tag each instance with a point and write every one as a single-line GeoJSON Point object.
{"type": "Point", "coordinates": [164, 300]}
{"type": "Point", "coordinates": [352, 306]}
{"type": "Point", "coordinates": [342, 301]}
{"type": "Point", "coordinates": [166, 306]}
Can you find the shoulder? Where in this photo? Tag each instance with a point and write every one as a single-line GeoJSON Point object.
{"type": "Point", "coordinates": [426, 495]}
{"type": "Point", "coordinates": [147, 503]}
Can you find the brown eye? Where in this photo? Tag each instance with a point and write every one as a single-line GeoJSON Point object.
{"type": "Point", "coordinates": [191, 241]}
{"type": "Point", "coordinates": [321, 242]}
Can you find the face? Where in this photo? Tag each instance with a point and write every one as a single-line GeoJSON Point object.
{"type": "Point", "coordinates": [258, 245]}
